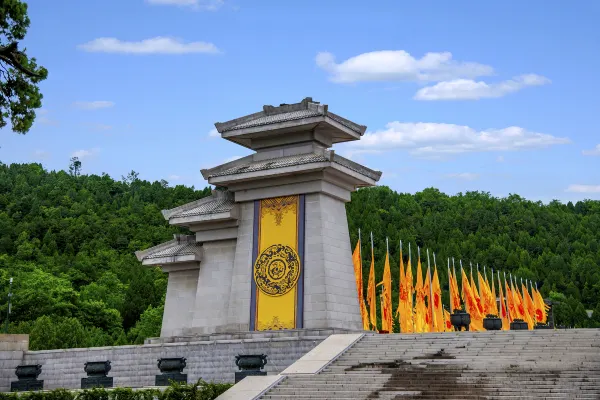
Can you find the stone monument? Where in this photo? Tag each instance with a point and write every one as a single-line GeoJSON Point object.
{"type": "Point", "coordinates": [270, 248]}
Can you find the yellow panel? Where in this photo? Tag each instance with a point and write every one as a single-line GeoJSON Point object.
{"type": "Point", "coordinates": [277, 266]}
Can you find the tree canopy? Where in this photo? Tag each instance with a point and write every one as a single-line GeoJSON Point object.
{"type": "Point", "coordinates": [19, 74]}
{"type": "Point", "coordinates": [555, 245]}
{"type": "Point", "coordinates": [68, 240]}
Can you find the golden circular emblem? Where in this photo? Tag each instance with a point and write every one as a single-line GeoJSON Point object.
{"type": "Point", "coordinates": [276, 270]}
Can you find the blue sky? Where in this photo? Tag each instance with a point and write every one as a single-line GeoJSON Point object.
{"type": "Point", "coordinates": [467, 95]}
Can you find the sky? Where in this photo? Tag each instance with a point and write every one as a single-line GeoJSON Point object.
{"type": "Point", "coordinates": [465, 95]}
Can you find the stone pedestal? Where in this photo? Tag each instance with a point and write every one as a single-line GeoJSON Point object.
{"type": "Point", "coordinates": [27, 385]}
{"type": "Point", "coordinates": [97, 382]}
{"type": "Point", "coordinates": [27, 375]}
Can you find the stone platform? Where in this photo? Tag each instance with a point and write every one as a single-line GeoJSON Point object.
{"type": "Point", "coordinates": [540, 364]}
{"type": "Point", "coordinates": [210, 357]}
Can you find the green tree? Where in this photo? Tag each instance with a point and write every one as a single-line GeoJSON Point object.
{"type": "Point", "coordinates": [148, 326]}
{"type": "Point", "coordinates": [19, 74]}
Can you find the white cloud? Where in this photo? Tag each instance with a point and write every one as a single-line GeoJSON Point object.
{"type": "Point", "coordinates": [500, 159]}
{"type": "Point", "coordinates": [584, 188]}
{"type": "Point", "coordinates": [468, 89]}
{"type": "Point", "coordinates": [436, 139]}
{"type": "Point", "coordinates": [213, 133]}
{"type": "Point", "coordinates": [93, 105]}
{"type": "Point", "coordinates": [398, 65]}
{"type": "Point", "coordinates": [41, 155]}
{"type": "Point", "coordinates": [82, 154]}
{"type": "Point", "coordinates": [174, 177]}
{"type": "Point", "coordinates": [468, 176]}
{"type": "Point", "coordinates": [594, 152]}
{"type": "Point", "coordinates": [206, 5]}
{"type": "Point", "coordinates": [156, 45]}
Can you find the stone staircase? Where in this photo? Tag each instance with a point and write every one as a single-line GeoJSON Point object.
{"type": "Point", "coordinates": [539, 364]}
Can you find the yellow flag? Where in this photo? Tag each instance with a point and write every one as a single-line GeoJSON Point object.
{"type": "Point", "coordinates": [359, 286]}
{"type": "Point", "coordinates": [387, 323]}
{"type": "Point", "coordinates": [529, 307]}
{"type": "Point", "coordinates": [471, 304]}
{"type": "Point", "coordinates": [407, 319]}
{"type": "Point", "coordinates": [447, 323]}
{"type": "Point", "coordinates": [540, 307]}
{"type": "Point", "coordinates": [503, 310]}
{"type": "Point", "coordinates": [372, 295]}
{"type": "Point", "coordinates": [454, 292]}
{"type": "Point", "coordinates": [420, 308]}
{"type": "Point", "coordinates": [438, 310]}
{"type": "Point", "coordinates": [399, 310]}
{"type": "Point", "coordinates": [510, 303]}
{"type": "Point", "coordinates": [494, 302]}
{"type": "Point", "coordinates": [518, 300]}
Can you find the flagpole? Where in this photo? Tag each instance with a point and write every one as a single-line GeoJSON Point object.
{"type": "Point", "coordinates": [410, 294]}
{"type": "Point", "coordinates": [433, 325]}
{"type": "Point", "coordinates": [506, 296]}
{"type": "Point", "coordinates": [471, 269]}
{"type": "Point", "coordinates": [478, 279]}
{"type": "Point", "coordinates": [450, 286]}
{"type": "Point", "coordinates": [495, 299]}
{"type": "Point", "coordinates": [374, 283]}
{"type": "Point", "coordinates": [455, 278]}
{"type": "Point", "coordinates": [360, 249]}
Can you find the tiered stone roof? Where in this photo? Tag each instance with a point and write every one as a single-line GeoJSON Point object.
{"type": "Point", "coordinates": [183, 248]}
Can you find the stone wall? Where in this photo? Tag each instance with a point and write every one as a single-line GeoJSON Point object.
{"type": "Point", "coordinates": [135, 366]}
{"type": "Point", "coordinates": [12, 348]}
{"type": "Point", "coordinates": [330, 296]}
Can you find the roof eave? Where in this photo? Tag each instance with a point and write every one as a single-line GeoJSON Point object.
{"type": "Point", "coordinates": [358, 179]}
{"type": "Point", "coordinates": [172, 260]}
{"type": "Point", "coordinates": [207, 172]}
{"type": "Point", "coordinates": [268, 173]}
{"type": "Point", "coordinates": [203, 218]}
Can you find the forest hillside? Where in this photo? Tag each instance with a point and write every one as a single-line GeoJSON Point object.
{"type": "Point", "coordinates": [68, 240]}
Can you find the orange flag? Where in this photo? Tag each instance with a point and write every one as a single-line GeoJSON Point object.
{"type": "Point", "coordinates": [540, 306]}
{"type": "Point", "coordinates": [503, 311]}
{"type": "Point", "coordinates": [407, 320]}
{"type": "Point", "coordinates": [471, 304]}
{"type": "Point", "coordinates": [404, 311]}
{"type": "Point", "coordinates": [518, 300]}
{"type": "Point", "coordinates": [486, 295]}
{"type": "Point", "coordinates": [447, 323]}
{"type": "Point", "coordinates": [529, 307]}
{"type": "Point", "coordinates": [510, 302]}
{"type": "Point", "coordinates": [477, 297]}
{"type": "Point", "coordinates": [387, 323]}
{"type": "Point", "coordinates": [371, 294]}
{"type": "Point", "coordinates": [420, 308]}
{"type": "Point", "coordinates": [429, 317]}
{"type": "Point", "coordinates": [494, 302]}
{"type": "Point", "coordinates": [356, 260]}
{"type": "Point", "coordinates": [453, 288]}
{"type": "Point", "coordinates": [438, 311]}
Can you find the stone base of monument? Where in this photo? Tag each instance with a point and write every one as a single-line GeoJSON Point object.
{"type": "Point", "coordinates": [166, 379]}
{"type": "Point", "coordinates": [97, 382]}
{"type": "Point", "coordinates": [28, 385]}
{"type": "Point", "coordinates": [239, 375]}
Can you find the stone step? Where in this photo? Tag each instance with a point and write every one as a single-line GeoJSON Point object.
{"type": "Point", "coordinates": [481, 365]}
